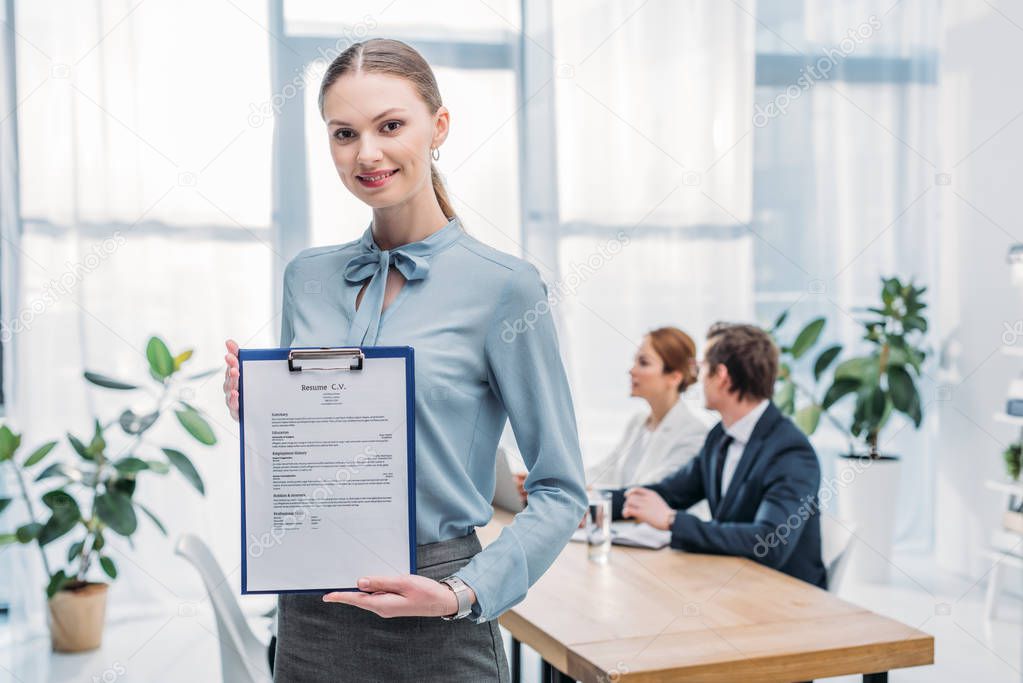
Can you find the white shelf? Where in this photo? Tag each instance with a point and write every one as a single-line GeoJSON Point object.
{"type": "Point", "coordinates": [1009, 419]}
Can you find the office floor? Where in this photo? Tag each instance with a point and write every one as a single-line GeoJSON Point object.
{"type": "Point", "coordinates": [183, 646]}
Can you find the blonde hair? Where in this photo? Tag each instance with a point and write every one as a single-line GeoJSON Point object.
{"type": "Point", "coordinates": [395, 58]}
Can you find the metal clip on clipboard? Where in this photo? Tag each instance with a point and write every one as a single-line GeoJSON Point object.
{"type": "Point", "coordinates": [308, 359]}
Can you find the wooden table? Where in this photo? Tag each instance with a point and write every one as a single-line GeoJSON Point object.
{"type": "Point", "coordinates": [665, 615]}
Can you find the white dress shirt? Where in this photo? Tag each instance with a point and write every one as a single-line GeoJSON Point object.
{"type": "Point", "coordinates": [740, 431]}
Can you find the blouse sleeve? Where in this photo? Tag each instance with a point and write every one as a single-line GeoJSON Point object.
{"type": "Point", "coordinates": [287, 309]}
{"type": "Point", "coordinates": [525, 372]}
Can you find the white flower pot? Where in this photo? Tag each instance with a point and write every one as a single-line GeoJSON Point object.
{"type": "Point", "coordinates": [867, 497]}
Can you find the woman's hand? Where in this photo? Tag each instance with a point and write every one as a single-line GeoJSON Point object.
{"type": "Point", "coordinates": [231, 373]}
{"type": "Point", "coordinates": [645, 505]}
{"type": "Point", "coordinates": [405, 595]}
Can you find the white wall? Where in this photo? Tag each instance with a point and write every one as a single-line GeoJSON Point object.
{"type": "Point", "coordinates": [981, 128]}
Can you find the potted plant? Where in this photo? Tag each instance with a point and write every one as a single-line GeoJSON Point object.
{"type": "Point", "coordinates": [1013, 456]}
{"type": "Point", "coordinates": [794, 398]}
{"type": "Point", "coordinates": [95, 496]}
{"type": "Point", "coordinates": [879, 383]}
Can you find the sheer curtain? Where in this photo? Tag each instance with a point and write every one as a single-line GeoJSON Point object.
{"type": "Point", "coordinates": [654, 185]}
{"type": "Point", "coordinates": [846, 189]}
{"type": "Point", "coordinates": [145, 197]}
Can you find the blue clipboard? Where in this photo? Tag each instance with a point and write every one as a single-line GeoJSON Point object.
{"type": "Point", "coordinates": [355, 357]}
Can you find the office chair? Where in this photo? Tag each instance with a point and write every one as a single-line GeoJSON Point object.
{"type": "Point", "coordinates": [243, 658]}
{"type": "Point", "coordinates": [837, 537]}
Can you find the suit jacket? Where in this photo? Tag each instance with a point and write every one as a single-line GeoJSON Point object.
{"type": "Point", "coordinates": [675, 441]}
{"type": "Point", "coordinates": [770, 512]}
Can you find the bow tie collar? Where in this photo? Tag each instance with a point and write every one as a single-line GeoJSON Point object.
{"type": "Point", "coordinates": [370, 262]}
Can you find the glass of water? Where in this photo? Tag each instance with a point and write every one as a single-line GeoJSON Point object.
{"type": "Point", "coordinates": [598, 526]}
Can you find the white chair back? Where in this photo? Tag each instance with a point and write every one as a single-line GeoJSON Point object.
{"type": "Point", "coordinates": [242, 656]}
{"type": "Point", "coordinates": [837, 537]}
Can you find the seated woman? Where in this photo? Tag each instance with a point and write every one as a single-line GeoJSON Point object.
{"type": "Point", "coordinates": [660, 440]}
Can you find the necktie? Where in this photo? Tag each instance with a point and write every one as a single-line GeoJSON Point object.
{"type": "Point", "coordinates": [411, 260]}
{"type": "Point", "coordinates": [719, 464]}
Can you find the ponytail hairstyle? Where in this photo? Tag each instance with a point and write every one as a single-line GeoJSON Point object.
{"type": "Point", "coordinates": [394, 58]}
{"type": "Point", "coordinates": [678, 352]}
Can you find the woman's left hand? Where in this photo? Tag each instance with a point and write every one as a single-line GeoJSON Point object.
{"type": "Point", "coordinates": [405, 595]}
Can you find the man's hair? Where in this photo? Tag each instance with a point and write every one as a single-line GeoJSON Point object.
{"type": "Point", "coordinates": [748, 353]}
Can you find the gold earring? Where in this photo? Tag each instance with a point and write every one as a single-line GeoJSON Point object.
{"type": "Point", "coordinates": [435, 153]}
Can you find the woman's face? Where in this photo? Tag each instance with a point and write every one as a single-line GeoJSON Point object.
{"type": "Point", "coordinates": [648, 377]}
{"type": "Point", "coordinates": [381, 133]}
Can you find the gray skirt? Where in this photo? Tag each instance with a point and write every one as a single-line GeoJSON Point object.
{"type": "Point", "coordinates": [327, 642]}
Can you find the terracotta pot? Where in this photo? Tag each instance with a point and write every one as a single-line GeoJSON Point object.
{"type": "Point", "coordinates": [77, 614]}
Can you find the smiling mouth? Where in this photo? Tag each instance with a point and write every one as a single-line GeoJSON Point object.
{"type": "Point", "coordinates": [376, 177]}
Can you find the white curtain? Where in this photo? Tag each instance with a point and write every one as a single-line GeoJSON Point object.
{"type": "Point", "coordinates": [145, 196]}
{"type": "Point", "coordinates": [847, 191]}
{"type": "Point", "coordinates": [654, 185]}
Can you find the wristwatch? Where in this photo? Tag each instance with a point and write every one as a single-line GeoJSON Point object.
{"type": "Point", "coordinates": [461, 594]}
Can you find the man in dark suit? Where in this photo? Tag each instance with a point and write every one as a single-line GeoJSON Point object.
{"type": "Point", "coordinates": [757, 471]}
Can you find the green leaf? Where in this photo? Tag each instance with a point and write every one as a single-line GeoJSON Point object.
{"type": "Point", "coordinates": [108, 382]}
{"type": "Point", "coordinates": [98, 541]}
{"type": "Point", "coordinates": [65, 517]}
{"type": "Point", "coordinates": [197, 426]}
{"type": "Point", "coordinates": [61, 503]}
{"type": "Point", "coordinates": [39, 453]}
{"type": "Point", "coordinates": [785, 397]}
{"type": "Point", "coordinates": [864, 369]}
{"type": "Point", "coordinates": [807, 418]}
{"type": "Point", "coordinates": [109, 568]}
{"type": "Point", "coordinates": [59, 469]}
{"type": "Point", "coordinates": [185, 466]}
{"type": "Point", "coordinates": [116, 511]}
{"type": "Point", "coordinates": [807, 337]}
{"type": "Point", "coordinates": [9, 442]}
{"type": "Point", "coordinates": [130, 465]}
{"type": "Point", "coordinates": [98, 443]}
{"type": "Point", "coordinates": [28, 532]}
{"type": "Point", "coordinates": [161, 363]}
{"type": "Point", "coordinates": [75, 550]}
{"type": "Point", "coordinates": [80, 448]}
{"type": "Point", "coordinates": [901, 388]}
{"type": "Point", "coordinates": [151, 516]}
{"type": "Point", "coordinates": [781, 320]}
{"type": "Point", "coordinates": [840, 388]}
{"type": "Point", "coordinates": [4, 502]}
{"type": "Point", "coordinates": [914, 322]}
{"type": "Point", "coordinates": [57, 582]}
{"type": "Point", "coordinates": [123, 485]}
{"type": "Point", "coordinates": [825, 360]}
{"type": "Point", "coordinates": [134, 424]}
{"type": "Point", "coordinates": [158, 466]}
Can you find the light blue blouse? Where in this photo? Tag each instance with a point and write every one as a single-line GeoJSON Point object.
{"type": "Point", "coordinates": [485, 350]}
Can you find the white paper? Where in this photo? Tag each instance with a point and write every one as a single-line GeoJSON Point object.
{"type": "Point", "coordinates": [326, 474]}
{"type": "Point", "coordinates": [631, 534]}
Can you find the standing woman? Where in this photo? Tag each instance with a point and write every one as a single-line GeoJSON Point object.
{"type": "Point", "coordinates": [416, 278]}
